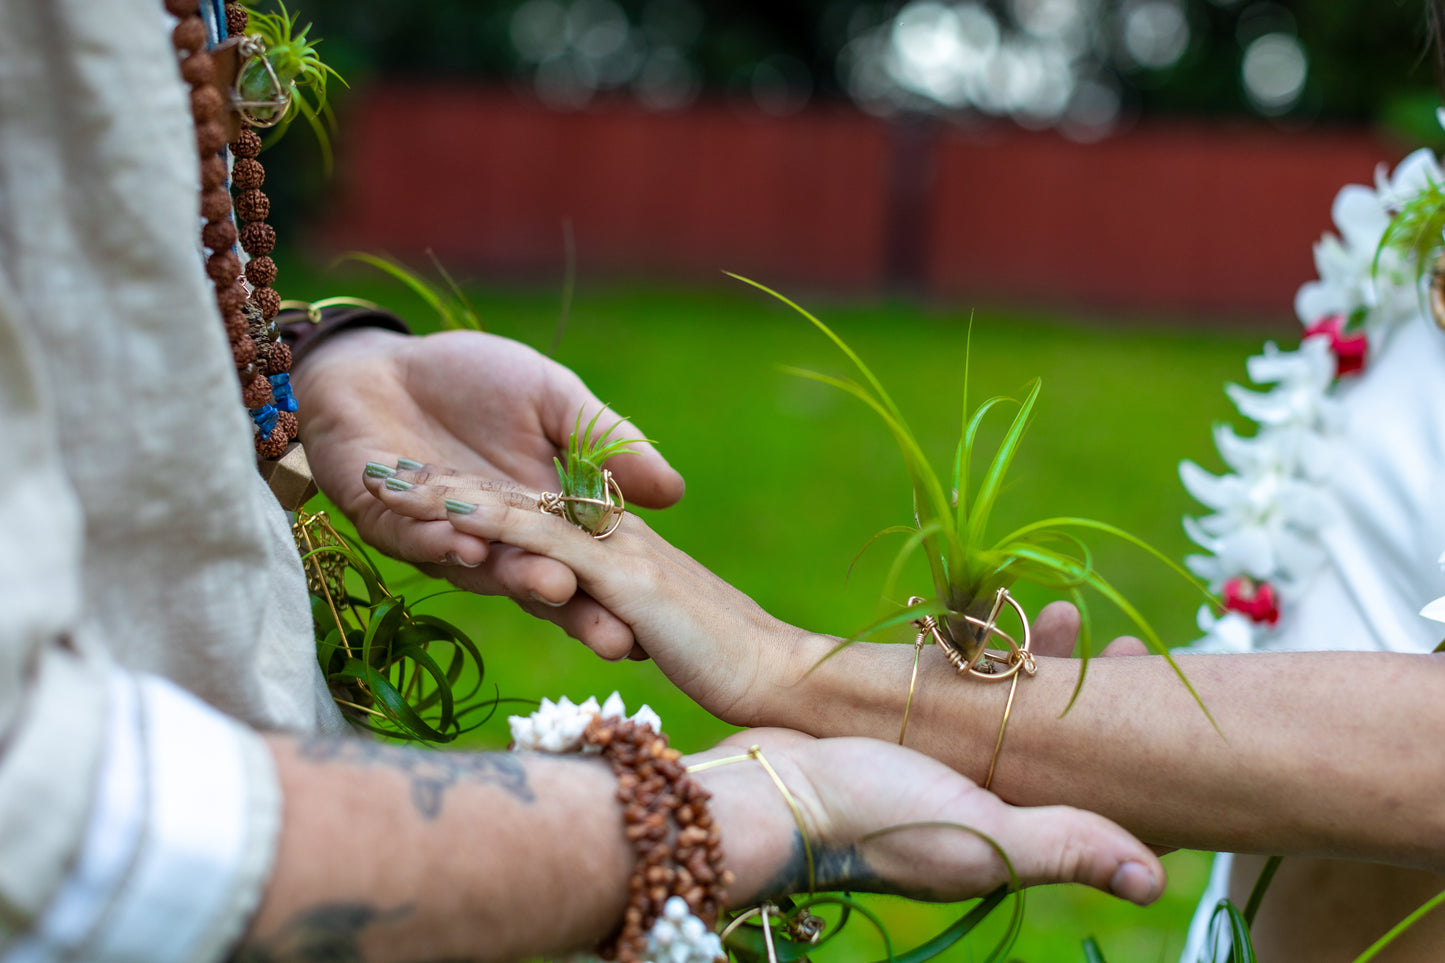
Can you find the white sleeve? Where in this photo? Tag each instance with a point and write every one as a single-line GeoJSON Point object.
{"type": "Point", "coordinates": [179, 839]}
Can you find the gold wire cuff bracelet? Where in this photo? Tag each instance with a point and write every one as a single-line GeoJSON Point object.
{"type": "Point", "coordinates": [614, 506]}
{"type": "Point", "coordinates": [987, 664]}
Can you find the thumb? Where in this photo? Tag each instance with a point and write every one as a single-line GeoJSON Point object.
{"type": "Point", "coordinates": [1060, 844]}
{"type": "Point", "coordinates": [643, 474]}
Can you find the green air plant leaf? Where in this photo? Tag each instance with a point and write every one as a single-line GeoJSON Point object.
{"type": "Point", "coordinates": [967, 565]}
{"type": "Point", "coordinates": [292, 62]}
{"type": "Point", "coordinates": [587, 497]}
{"type": "Point", "coordinates": [392, 670]}
{"type": "Point", "coordinates": [1416, 233]}
{"type": "Point", "coordinates": [449, 303]}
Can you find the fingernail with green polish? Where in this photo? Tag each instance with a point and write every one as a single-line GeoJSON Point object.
{"type": "Point", "coordinates": [457, 507]}
{"type": "Point", "coordinates": [376, 470]}
{"type": "Point", "coordinates": [397, 485]}
{"type": "Point", "coordinates": [410, 464]}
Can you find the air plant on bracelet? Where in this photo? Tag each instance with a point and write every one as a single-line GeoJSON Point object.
{"type": "Point", "coordinates": [972, 570]}
{"type": "Point", "coordinates": [281, 76]}
{"type": "Point", "coordinates": [391, 670]}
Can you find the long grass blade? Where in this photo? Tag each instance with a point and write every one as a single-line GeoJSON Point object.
{"type": "Point", "coordinates": [992, 483]}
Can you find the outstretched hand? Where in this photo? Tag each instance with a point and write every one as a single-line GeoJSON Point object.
{"type": "Point", "coordinates": [883, 818]}
{"type": "Point", "coordinates": [711, 640]}
{"type": "Point", "coordinates": [484, 405]}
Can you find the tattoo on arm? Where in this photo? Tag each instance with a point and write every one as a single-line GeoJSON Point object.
{"type": "Point", "coordinates": [833, 869]}
{"type": "Point", "coordinates": [326, 934]}
{"type": "Point", "coordinates": [431, 772]}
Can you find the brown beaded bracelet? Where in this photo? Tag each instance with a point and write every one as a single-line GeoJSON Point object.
{"type": "Point", "coordinates": [657, 794]}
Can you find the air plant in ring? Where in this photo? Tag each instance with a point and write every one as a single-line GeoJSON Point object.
{"type": "Point", "coordinates": [590, 497]}
{"type": "Point", "coordinates": [279, 66]}
{"type": "Point", "coordinates": [971, 572]}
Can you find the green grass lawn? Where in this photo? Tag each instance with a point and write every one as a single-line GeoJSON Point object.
{"type": "Point", "coordinates": [787, 479]}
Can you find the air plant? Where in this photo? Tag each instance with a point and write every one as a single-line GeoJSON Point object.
{"type": "Point", "coordinates": [590, 498]}
{"type": "Point", "coordinates": [285, 77]}
{"type": "Point", "coordinates": [1416, 234]}
{"type": "Point", "coordinates": [951, 528]}
{"type": "Point", "coordinates": [391, 669]}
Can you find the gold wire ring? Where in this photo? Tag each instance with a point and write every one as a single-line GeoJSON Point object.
{"type": "Point", "coordinates": [555, 503]}
{"type": "Point", "coordinates": [1018, 657]}
{"type": "Point", "coordinates": [252, 49]}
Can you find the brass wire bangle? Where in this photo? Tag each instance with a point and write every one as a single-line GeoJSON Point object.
{"type": "Point", "coordinates": [985, 663]}
{"type": "Point", "coordinates": [555, 503]}
{"type": "Point", "coordinates": [755, 753]}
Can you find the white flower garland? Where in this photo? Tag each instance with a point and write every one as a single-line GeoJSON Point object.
{"type": "Point", "coordinates": [558, 727]}
{"type": "Point", "coordinates": [1262, 538]}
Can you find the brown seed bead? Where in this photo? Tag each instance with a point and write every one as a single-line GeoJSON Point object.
{"type": "Point", "coordinates": [205, 103]}
{"type": "Point", "coordinates": [248, 373]}
{"type": "Point", "coordinates": [182, 8]}
{"type": "Point", "coordinates": [218, 235]}
{"type": "Point", "coordinates": [243, 350]}
{"type": "Point", "coordinates": [213, 173]}
{"type": "Point", "coordinates": [273, 447]}
{"type": "Point", "coordinates": [198, 68]}
{"type": "Point", "coordinates": [236, 20]}
{"type": "Point", "coordinates": [268, 301]}
{"type": "Point", "coordinates": [247, 174]}
{"type": "Point", "coordinates": [232, 299]}
{"type": "Point", "coordinates": [215, 203]}
{"type": "Point", "coordinates": [253, 205]}
{"type": "Point", "coordinates": [257, 394]}
{"type": "Point", "coordinates": [278, 358]}
{"type": "Point", "coordinates": [258, 238]}
{"type": "Point", "coordinates": [247, 144]}
{"type": "Point", "coordinates": [235, 323]}
{"type": "Point", "coordinates": [210, 138]}
{"type": "Point", "coordinates": [223, 267]}
{"type": "Point", "coordinates": [261, 272]}
{"type": "Point", "coordinates": [189, 35]}
{"type": "Point", "coordinates": [287, 425]}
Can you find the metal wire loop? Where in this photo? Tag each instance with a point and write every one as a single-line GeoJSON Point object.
{"type": "Point", "coordinates": [555, 503]}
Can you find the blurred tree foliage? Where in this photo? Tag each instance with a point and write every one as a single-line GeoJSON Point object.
{"type": "Point", "coordinates": [1367, 58]}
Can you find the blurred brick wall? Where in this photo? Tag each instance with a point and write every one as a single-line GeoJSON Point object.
{"type": "Point", "coordinates": [1170, 217]}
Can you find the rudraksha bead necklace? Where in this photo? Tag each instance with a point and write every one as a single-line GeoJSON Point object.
{"type": "Point", "coordinates": [263, 363]}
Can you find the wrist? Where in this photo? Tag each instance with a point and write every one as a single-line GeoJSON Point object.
{"type": "Point", "coordinates": [760, 836]}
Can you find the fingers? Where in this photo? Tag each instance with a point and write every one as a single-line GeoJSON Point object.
{"type": "Point", "coordinates": [1059, 844]}
{"type": "Point", "coordinates": [1055, 630]}
{"type": "Point", "coordinates": [644, 475]}
{"type": "Point", "coordinates": [1125, 645]}
{"type": "Point", "coordinates": [585, 620]}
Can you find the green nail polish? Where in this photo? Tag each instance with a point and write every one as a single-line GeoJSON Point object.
{"type": "Point", "coordinates": [397, 485]}
{"type": "Point", "coordinates": [410, 464]}
{"type": "Point", "coordinates": [375, 470]}
{"type": "Point", "coordinates": [459, 507]}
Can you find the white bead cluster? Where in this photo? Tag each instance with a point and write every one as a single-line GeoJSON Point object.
{"type": "Point", "coordinates": [680, 937]}
{"type": "Point", "coordinates": [1267, 511]}
{"type": "Point", "coordinates": [558, 726]}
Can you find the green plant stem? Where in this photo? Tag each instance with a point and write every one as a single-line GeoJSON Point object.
{"type": "Point", "coordinates": [1400, 927]}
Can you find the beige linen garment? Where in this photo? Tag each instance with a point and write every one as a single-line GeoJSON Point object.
{"type": "Point", "coordinates": [135, 535]}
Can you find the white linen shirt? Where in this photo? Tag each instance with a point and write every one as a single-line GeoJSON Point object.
{"type": "Point", "coordinates": [153, 612]}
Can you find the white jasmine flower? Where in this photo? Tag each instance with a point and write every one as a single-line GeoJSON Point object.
{"type": "Point", "coordinates": [1230, 633]}
{"type": "Point", "coordinates": [1302, 381]}
{"type": "Point", "coordinates": [1435, 611]}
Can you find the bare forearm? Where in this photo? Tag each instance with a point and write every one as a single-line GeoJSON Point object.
{"type": "Point", "coordinates": [1323, 753]}
{"type": "Point", "coordinates": [397, 854]}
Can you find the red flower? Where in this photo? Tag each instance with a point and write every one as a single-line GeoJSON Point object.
{"type": "Point", "coordinates": [1349, 349]}
{"type": "Point", "coordinates": [1256, 601]}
